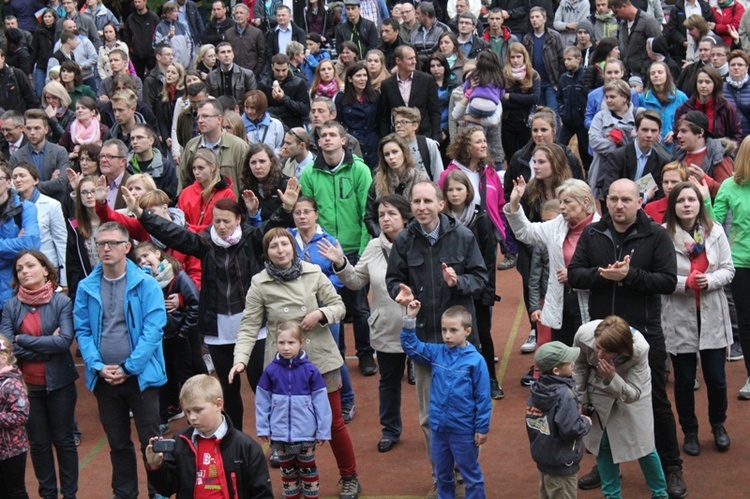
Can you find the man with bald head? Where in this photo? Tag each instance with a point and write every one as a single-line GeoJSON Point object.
{"type": "Point", "coordinates": [627, 261]}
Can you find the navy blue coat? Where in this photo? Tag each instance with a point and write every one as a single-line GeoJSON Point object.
{"type": "Point", "coordinates": [361, 120]}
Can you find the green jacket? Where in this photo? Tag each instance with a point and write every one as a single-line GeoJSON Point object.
{"type": "Point", "coordinates": [341, 197]}
{"type": "Point", "coordinates": [735, 199]}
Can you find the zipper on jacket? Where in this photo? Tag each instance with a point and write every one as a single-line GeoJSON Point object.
{"type": "Point", "coordinates": [289, 402]}
{"type": "Point", "coordinates": [234, 485]}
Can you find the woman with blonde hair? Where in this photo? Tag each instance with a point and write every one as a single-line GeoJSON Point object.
{"type": "Point", "coordinates": [172, 90]}
{"type": "Point", "coordinates": [55, 102]}
{"type": "Point", "coordinates": [197, 200]}
{"type": "Point", "coordinates": [524, 88]}
{"type": "Point", "coordinates": [376, 68]}
{"type": "Point", "coordinates": [326, 82]}
{"type": "Point", "coordinates": [697, 29]}
{"type": "Point", "coordinates": [233, 124]}
{"type": "Point", "coordinates": [205, 60]}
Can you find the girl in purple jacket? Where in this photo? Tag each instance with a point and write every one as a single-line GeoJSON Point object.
{"type": "Point", "coordinates": [292, 412]}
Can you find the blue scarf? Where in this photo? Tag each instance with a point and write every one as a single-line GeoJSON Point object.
{"type": "Point", "coordinates": [256, 127]}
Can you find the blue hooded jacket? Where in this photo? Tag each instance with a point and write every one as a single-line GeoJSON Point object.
{"type": "Point", "coordinates": [145, 315]}
{"type": "Point", "coordinates": [16, 210]}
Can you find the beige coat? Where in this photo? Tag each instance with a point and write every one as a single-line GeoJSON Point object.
{"type": "Point", "coordinates": [678, 314]}
{"type": "Point", "coordinates": [623, 406]}
{"type": "Point", "coordinates": [271, 303]}
{"type": "Point", "coordinates": [386, 317]}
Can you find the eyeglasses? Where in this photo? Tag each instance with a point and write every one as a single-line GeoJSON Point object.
{"type": "Point", "coordinates": [297, 136]}
{"type": "Point", "coordinates": [206, 116]}
{"type": "Point", "coordinates": [7, 130]}
{"type": "Point", "coordinates": [86, 194]}
{"type": "Point", "coordinates": [402, 123]}
{"type": "Point", "coordinates": [297, 213]}
{"type": "Point", "coordinates": [109, 157]}
{"type": "Point", "coordinates": [111, 244]}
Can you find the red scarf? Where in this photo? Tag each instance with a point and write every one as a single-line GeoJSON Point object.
{"type": "Point", "coordinates": [36, 297]}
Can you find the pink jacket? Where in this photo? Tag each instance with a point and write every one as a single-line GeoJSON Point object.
{"type": "Point", "coordinates": [492, 186]}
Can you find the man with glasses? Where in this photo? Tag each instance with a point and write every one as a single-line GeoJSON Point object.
{"type": "Point", "coordinates": [410, 22]}
{"type": "Point", "coordinates": [46, 156]}
{"type": "Point", "coordinates": [119, 315]}
{"type": "Point", "coordinates": [468, 41]}
{"type": "Point", "coordinates": [145, 158]}
{"type": "Point", "coordinates": [231, 152]}
{"type": "Point", "coordinates": [11, 125]}
{"type": "Point", "coordinates": [424, 151]}
{"type": "Point", "coordinates": [84, 22]}
{"type": "Point", "coordinates": [112, 163]}
{"type": "Point", "coordinates": [185, 126]}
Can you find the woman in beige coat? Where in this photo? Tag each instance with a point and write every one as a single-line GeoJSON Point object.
{"type": "Point", "coordinates": [613, 376]}
{"type": "Point", "coordinates": [292, 290]}
{"type": "Point", "coordinates": [385, 320]}
{"type": "Point", "coordinates": [696, 316]}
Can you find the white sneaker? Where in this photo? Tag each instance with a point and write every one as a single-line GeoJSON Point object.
{"type": "Point", "coordinates": [209, 363]}
{"type": "Point", "coordinates": [530, 344]}
{"type": "Point", "coordinates": [744, 393]}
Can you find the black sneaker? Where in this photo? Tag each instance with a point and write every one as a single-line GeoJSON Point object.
{"type": "Point", "coordinates": [721, 439]}
{"type": "Point", "coordinates": [528, 378]}
{"type": "Point", "coordinates": [496, 391]}
{"type": "Point", "coordinates": [676, 487]}
{"type": "Point", "coordinates": [691, 445]}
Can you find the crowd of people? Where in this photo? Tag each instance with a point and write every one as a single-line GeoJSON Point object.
{"type": "Point", "coordinates": [194, 193]}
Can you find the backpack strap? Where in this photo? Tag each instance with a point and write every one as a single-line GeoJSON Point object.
{"type": "Point", "coordinates": [424, 152]}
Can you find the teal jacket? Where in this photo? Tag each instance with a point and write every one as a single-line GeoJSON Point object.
{"type": "Point", "coordinates": [145, 315]}
{"type": "Point", "coordinates": [341, 197]}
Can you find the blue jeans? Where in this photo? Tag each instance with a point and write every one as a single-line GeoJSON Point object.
{"type": "Point", "coordinates": [610, 472]}
{"type": "Point", "coordinates": [51, 423]}
{"type": "Point", "coordinates": [714, 376]}
{"type": "Point", "coordinates": [549, 98]}
{"type": "Point", "coordinates": [347, 392]}
{"type": "Point", "coordinates": [114, 403]}
{"type": "Point", "coordinates": [450, 448]}
{"type": "Point", "coordinates": [40, 79]}
{"type": "Point", "coordinates": [391, 375]}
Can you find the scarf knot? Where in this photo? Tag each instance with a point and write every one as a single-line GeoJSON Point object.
{"type": "Point", "coordinates": [285, 275]}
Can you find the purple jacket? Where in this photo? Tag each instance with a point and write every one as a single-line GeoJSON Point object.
{"type": "Point", "coordinates": [492, 93]}
{"type": "Point", "coordinates": [291, 402]}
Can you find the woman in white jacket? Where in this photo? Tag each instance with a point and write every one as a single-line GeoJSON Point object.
{"type": "Point", "coordinates": [696, 316]}
{"type": "Point", "coordinates": [385, 320]}
{"type": "Point", "coordinates": [565, 309]}
{"type": "Point", "coordinates": [613, 381]}
{"type": "Point", "coordinates": [53, 231]}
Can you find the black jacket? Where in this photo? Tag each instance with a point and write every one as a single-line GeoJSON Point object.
{"type": "Point", "coordinates": [571, 98]}
{"type": "Point", "coordinates": [42, 46]}
{"type": "Point", "coordinates": [294, 108]}
{"type": "Point", "coordinates": [623, 163]}
{"type": "Point", "coordinates": [226, 272]}
{"type": "Point", "coordinates": [272, 40]}
{"type": "Point", "coordinates": [15, 90]}
{"type": "Point", "coordinates": [416, 263]}
{"type": "Point", "coordinates": [653, 272]}
{"type": "Point", "coordinates": [676, 32]}
{"type": "Point", "coordinates": [519, 166]}
{"type": "Point", "coordinates": [77, 262]}
{"type": "Point", "coordinates": [139, 34]}
{"type": "Point", "coordinates": [364, 35]}
{"type": "Point", "coordinates": [214, 32]}
{"type": "Point", "coordinates": [21, 59]}
{"type": "Point", "coordinates": [184, 320]}
{"type": "Point", "coordinates": [388, 50]}
{"type": "Point", "coordinates": [484, 232]}
{"type": "Point", "coordinates": [555, 425]}
{"type": "Point", "coordinates": [423, 96]}
{"type": "Point", "coordinates": [243, 459]}
{"type": "Point", "coordinates": [519, 14]}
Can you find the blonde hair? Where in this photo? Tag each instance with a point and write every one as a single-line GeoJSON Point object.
{"type": "Point", "coordinates": [201, 387]}
{"type": "Point", "coordinates": [148, 181]}
{"type": "Point", "coordinates": [56, 89]}
{"type": "Point", "coordinates": [578, 190]}
{"type": "Point", "coordinates": [528, 81]}
{"type": "Point", "coordinates": [6, 347]}
{"type": "Point", "coordinates": [290, 327]}
{"type": "Point", "coordinates": [742, 163]}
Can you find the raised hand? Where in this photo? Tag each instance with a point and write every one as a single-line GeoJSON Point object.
{"type": "Point", "coordinates": [449, 276]}
{"type": "Point", "coordinates": [100, 190]}
{"type": "Point", "coordinates": [131, 202]}
{"type": "Point", "coordinates": [519, 187]}
{"type": "Point", "coordinates": [252, 203]}
{"type": "Point", "coordinates": [290, 195]}
{"type": "Point", "coordinates": [331, 252]}
{"type": "Point", "coordinates": [702, 186]}
{"type": "Point", "coordinates": [405, 296]}
{"type": "Point", "coordinates": [412, 309]}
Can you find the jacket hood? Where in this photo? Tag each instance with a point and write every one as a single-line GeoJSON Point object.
{"type": "Point", "coordinates": [716, 149]}
{"type": "Point", "coordinates": [12, 372]}
{"type": "Point", "coordinates": [505, 30]}
{"type": "Point", "coordinates": [14, 206]}
{"type": "Point", "coordinates": [155, 169]}
{"type": "Point", "coordinates": [293, 362]}
{"type": "Point", "coordinates": [548, 390]}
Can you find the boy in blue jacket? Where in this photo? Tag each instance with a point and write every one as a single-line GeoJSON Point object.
{"type": "Point", "coordinates": [460, 404]}
{"type": "Point", "coordinates": [292, 412]}
{"type": "Point", "coordinates": [554, 421]}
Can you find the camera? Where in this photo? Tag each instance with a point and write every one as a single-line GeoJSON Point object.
{"type": "Point", "coordinates": [589, 410]}
{"type": "Point", "coordinates": [164, 445]}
